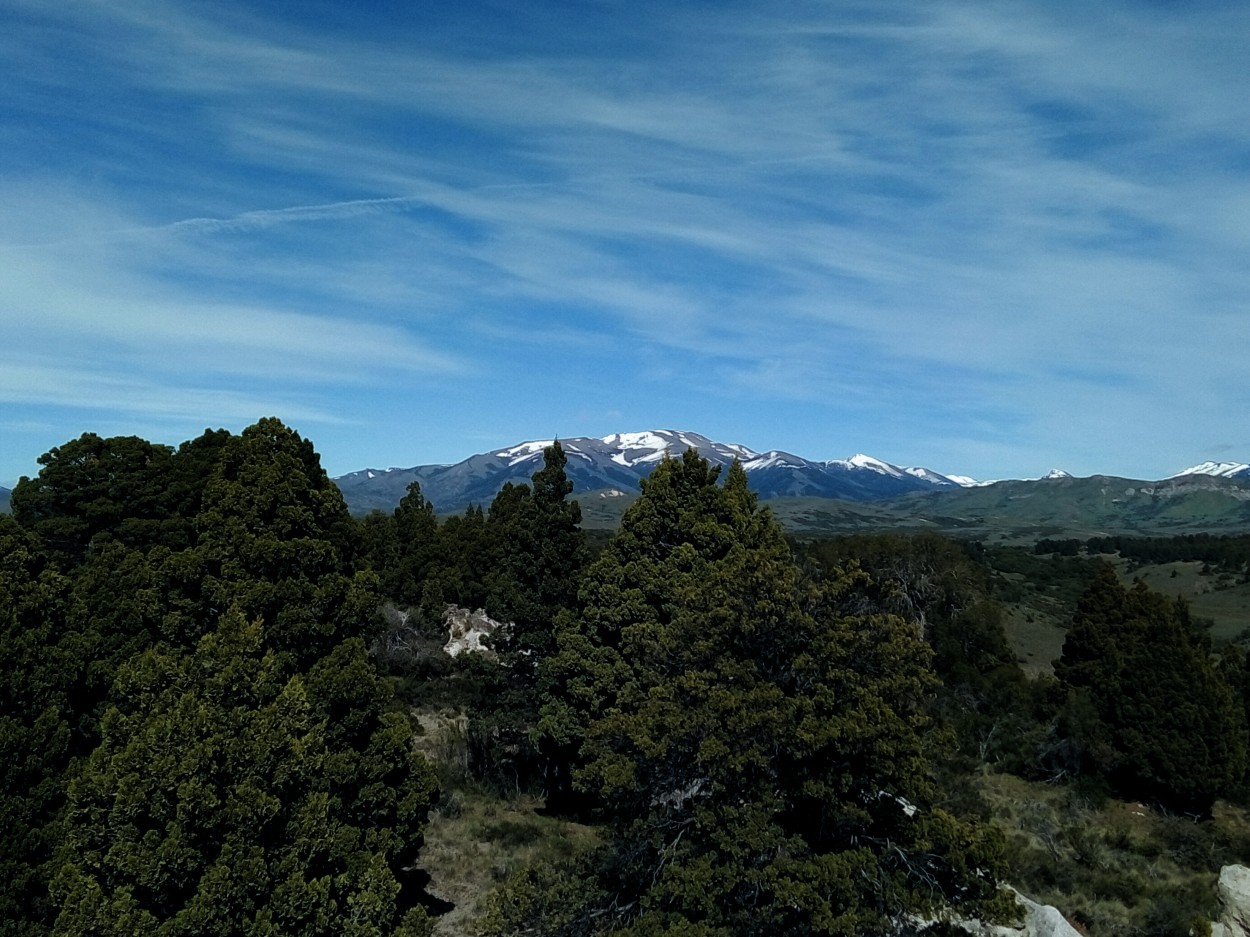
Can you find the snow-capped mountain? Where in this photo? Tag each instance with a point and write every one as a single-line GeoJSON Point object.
{"type": "Point", "coordinates": [1218, 469]}
{"type": "Point", "coordinates": [621, 460]}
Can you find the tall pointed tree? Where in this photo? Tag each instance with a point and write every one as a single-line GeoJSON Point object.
{"type": "Point", "coordinates": [412, 579]}
{"type": "Point", "coordinates": [1165, 725]}
{"type": "Point", "coordinates": [760, 758]}
{"type": "Point", "coordinates": [540, 552]}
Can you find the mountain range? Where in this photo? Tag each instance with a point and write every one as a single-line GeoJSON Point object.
{"type": "Point", "coordinates": [861, 492]}
{"type": "Point", "coordinates": [618, 462]}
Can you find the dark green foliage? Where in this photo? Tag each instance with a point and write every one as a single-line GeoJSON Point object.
{"type": "Point", "coordinates": [35, 736]}
{"type": "Point", "coordinates": [228, 797]}
{"type": "Point", "coordinates": [92, 490]}
{"type": "Point", "coordinates": [539, 554]}
{"type": "Point", "coordinates": [465, 550]}
{"type": "Point", "coordinates": [275, 540]}
{"type": "Point", "coordinates": [946, 589]}
{"type": "Point", "coordinates": [1228, 552]}
{"type": "Point", "coordinates": [92, 486]}
{"type": "Point", "coordinates": [934, 582]}
{"type": "Point", "coordinates": [202, 688]}
{"type": "Point", "coordinates": [1146, 706]}
{"type": "Point", "coordinates": [411, 578]}
{"type": "Point", "coordinates": [760, 756]}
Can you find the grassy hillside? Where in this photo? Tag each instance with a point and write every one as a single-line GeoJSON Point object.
{"type": "Point", "coordinates": [1115, 869]}
{"type": "Point", "coordinates": [1220, 597]}
{"type": "Point", "coordinates": [1020, 512]}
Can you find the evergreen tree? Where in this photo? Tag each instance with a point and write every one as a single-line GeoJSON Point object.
{"type": "Point", "coordinates": [540, 551]}
{"type": "Point", "coordinates": [1147, 705]}
{"type": "Point", "coordinates": [759, 756]}
{"type": "Point", "coordinates": [36, 742]}
{"type": "Point", "coordinates": [90, 487]}
{"type": "Point", "coordinates": [464, 547]}
{"type": "Point", "coordinates": [276, 540]}
{"type": "Point", "coordinates": [227, 797]}
{"type": "Point", "coordinates": [412, 579]}
{"type": "Point", "coordinates": [937, 584]}
{"type": "Point", "coordinates": [537, 553]}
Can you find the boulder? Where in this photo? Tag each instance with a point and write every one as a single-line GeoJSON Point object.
{"type": "Point", "coordinates": [1234, 891]}
{"type": "Point", "coordinates": [1038, 920]}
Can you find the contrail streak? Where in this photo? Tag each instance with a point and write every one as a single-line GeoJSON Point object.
{"type": "Point", "coordinates": [270, 217]}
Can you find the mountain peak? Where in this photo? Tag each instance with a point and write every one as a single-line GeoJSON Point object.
{"type": "Point", "coordinates": [619, 461]}
{"type": "Point", "coordinates": [1057, 473]}
{"type": "Point", "coordinates": [1218, 469]}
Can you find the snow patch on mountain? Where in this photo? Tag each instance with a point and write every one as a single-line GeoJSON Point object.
{"type": "Point", "coordinates": [967, 481]}
{"type": "Point", "coordinates": [861, 461]}
{"type": "Point", "coordinates": [525, 450]}
{"type": "Point", "coordinates": [619, 462]}
{"type": "Point", "coordinates": [773, 459]}
{"type": "Point", "coordinates": [1218, 469]}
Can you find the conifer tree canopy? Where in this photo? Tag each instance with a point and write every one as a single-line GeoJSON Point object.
{"type": "Point", "coordinates": [227, 798]}
{"type": "Point", "coordinates": [760, 759]}
{"type": "Point", "coordinates": [91, 486]}
{"type": "Point", "coordinates": [35, 738]}
{"type": "Point", "coordinates": [276, 540]}
{"type": "Point", "coordinates": [1166, 726]}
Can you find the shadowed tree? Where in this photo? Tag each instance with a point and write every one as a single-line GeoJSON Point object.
{"type": "Point", "coordinates": [274, 539]}
{"type": "Point", "coordinates": [36, 741]}
{"type": "Point", "coordinates": [1146, 704]}
{"type": "Point", "coordinates": [760, 758]}
{"type": "Point", "coordinates": [95, 487]}
{"type": "Point", "coordinates": [227, 797]}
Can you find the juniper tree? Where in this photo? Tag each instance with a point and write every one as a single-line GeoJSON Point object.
{"type": "Point", "coordinates": [1146, 704]}
{"type": "Point", "coordinates": [230, 797]}
{"type": "Point", "coordinates": [274, 538]}
{"type": "Point", "coordinates": [36, 740]}
{"type": "Point", "coordinates": [759, 757]}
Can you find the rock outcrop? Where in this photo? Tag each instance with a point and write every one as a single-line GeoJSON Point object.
{"type": "Point", "coordinates": [1234, 891]}
{"type": "Point", "coordinates": [467, 629]}
{"type": "Point", "coordinates": [1037, 920]}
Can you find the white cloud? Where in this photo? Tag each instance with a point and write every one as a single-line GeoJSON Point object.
{"type": "Point", "coordinates": [884, 203]}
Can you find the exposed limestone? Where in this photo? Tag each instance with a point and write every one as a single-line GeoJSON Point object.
{"type": "Point", "coordinates": [1234, 891]}
{"type": "Point", "coordinates": [467, 629]}
{"type": "Point", "coordinates": [1038, 920]}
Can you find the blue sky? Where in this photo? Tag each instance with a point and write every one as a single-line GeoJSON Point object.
{"type": "Point", "coordinates": [988, 238]}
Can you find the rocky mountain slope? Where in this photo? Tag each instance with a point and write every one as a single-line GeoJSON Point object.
{"type": "Point", "coordinates": [840, 495]}
{"type": "Point", "coordinates": [618, 462]}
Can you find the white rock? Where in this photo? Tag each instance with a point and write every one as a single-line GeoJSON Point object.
{"type": "Point", "coordinates": [1040, 920]}
{"type": "Point", "coordinates": [466, 630]}
{"type": "Point", "coordinates": [1234, 891]}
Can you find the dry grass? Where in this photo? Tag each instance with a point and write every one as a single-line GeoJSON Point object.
{"type": "Point", "coordinates": [1115, 869]}
{"type": "Point", "coordinates": [475, 840]}
{"type": "Point", "coordinates": [1220, 597]}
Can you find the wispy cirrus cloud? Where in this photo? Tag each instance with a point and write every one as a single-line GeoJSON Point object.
{"type": "Point", "coordinates": [1008, 231]}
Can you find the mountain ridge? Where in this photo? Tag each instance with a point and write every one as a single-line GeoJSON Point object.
{"type": "Point", "coordinates": [613, 466]}
{"type": "Point", "coordinates": [621, 460]}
